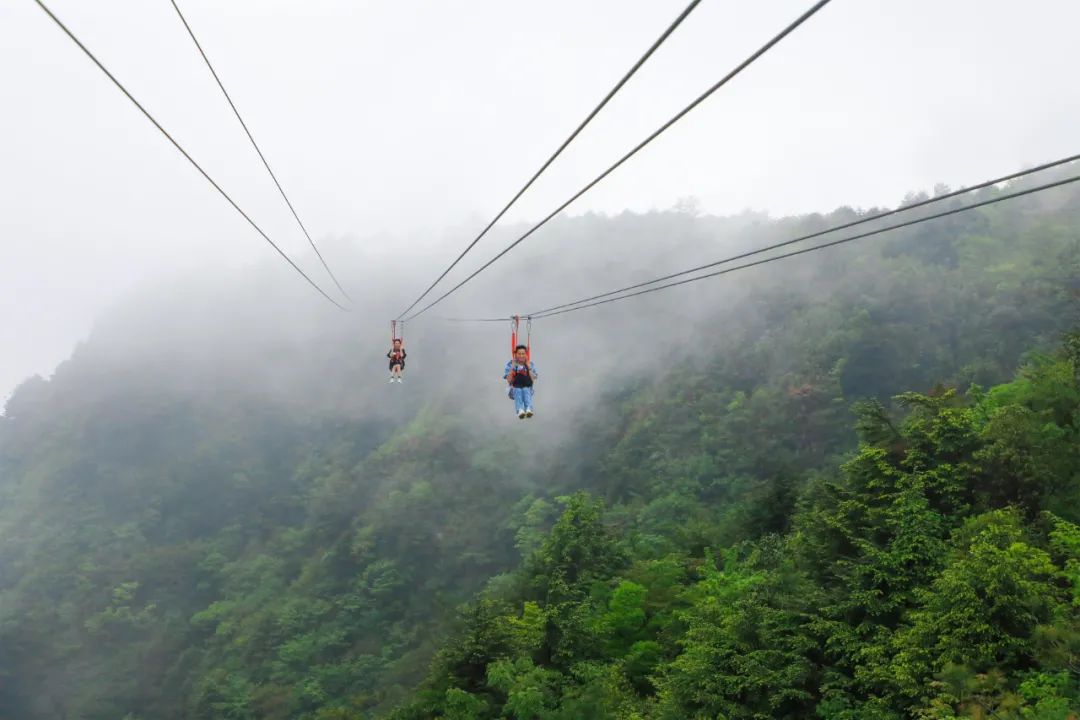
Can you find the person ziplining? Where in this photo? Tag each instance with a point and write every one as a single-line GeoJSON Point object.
{"type": "Point", "coordinates": [397, 354]}
{"type": "Point", "coordinates": [520, 372]}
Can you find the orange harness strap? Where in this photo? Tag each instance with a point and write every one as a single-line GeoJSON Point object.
{"type": "Point", "coordinates": [515, 330]}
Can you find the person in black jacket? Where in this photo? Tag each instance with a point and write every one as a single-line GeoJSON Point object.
{"type": "Point", "coordinates": [397, 360]}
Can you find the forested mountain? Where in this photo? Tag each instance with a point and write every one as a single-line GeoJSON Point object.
{"type": "Point", "coordinates": [843, 486]}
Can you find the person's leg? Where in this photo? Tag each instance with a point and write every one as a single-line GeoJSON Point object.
{"type": "Point", "coordinates": [519, 401]}
{"type": "Point", "coordinates": [527, 398]}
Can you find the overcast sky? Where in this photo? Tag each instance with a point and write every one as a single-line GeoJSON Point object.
{"type": "Point", "coordinates": [384, 118]}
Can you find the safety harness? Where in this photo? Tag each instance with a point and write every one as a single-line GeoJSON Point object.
{"type": "Point", "coordinates": [515, 333]}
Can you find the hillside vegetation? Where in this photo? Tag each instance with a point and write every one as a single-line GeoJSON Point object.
{"type": "Point", "coordinates": [851, 491]}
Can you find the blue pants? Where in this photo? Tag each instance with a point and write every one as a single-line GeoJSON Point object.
{"type": "Point", "coordinates": [522, 398]}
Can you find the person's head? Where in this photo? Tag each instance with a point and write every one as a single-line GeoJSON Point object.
{"type": "Point", "coordinates": [397, 343]}
{"type": "Point", "coordinates": [521, 353]}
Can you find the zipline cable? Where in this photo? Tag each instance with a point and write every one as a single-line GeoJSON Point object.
{"type": "Point", "coordinates": [185, 154]}
{"type": "Point", "coordinates": [548, 312]}
{"type": "Point", "coordinates": [833, 243]}
{"type": "Point", "coordinates": [611, 93]}
{"type": "Point", "coordinates": [801, 238]}
{"type": "Point", "coordinates": [682, 113]}
{"type": "Point", "coordinates": [475, 320]}
{"type": "Point", "coordinates": [255, 145]}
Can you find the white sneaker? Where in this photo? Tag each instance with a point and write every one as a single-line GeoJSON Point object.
{"type": "Point", "coordinates": [528, 412]}
{"type": "Point", "coordinates": [391, 379]}
{"type": "Point", "coordinates": [399, 379]}
{"type": "Point", "coordinates": [521, 415]}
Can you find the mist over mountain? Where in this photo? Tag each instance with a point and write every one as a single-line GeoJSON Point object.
{"type": "Point", "coordinates": [219, 508]}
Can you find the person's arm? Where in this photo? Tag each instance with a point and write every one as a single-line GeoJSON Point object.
{"type": "Point", "coordinates": [506, 372]}
{"type": "Point", "coordinates": [532, 371]}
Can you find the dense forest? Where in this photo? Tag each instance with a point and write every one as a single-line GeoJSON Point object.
{"type": "Point", "coordinates": [845, 486]}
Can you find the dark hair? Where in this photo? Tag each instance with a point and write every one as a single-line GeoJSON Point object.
{"type": "Point", "coordinates": [521, 347]}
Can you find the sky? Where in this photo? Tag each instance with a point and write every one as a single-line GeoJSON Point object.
{"type": "Point", "coordinates": [402, 127]}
